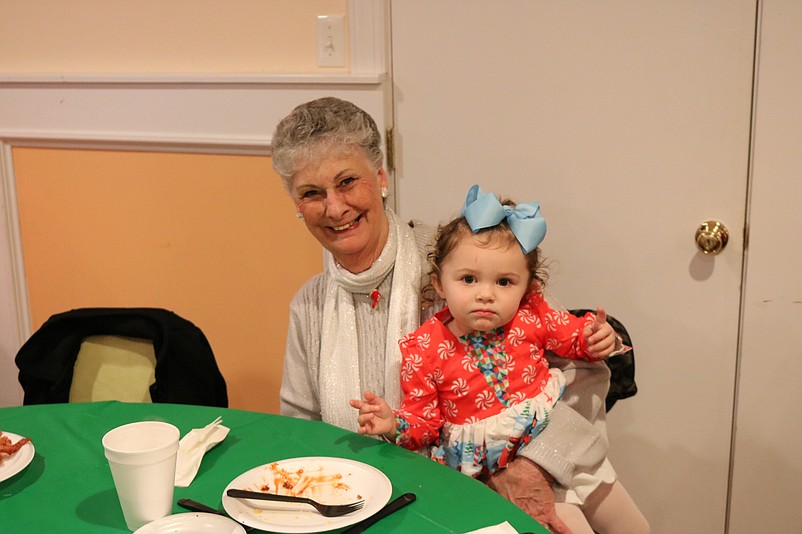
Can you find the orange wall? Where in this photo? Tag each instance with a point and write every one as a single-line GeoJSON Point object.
{"type": "Point", "coordinates": [211, 237]}
{"type": "Point", "coordinates": [157, 36]}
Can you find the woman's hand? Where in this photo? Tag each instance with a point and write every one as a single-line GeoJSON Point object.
{"type": "Point", "coordinates": [528, 487]}
{"type": "Point", "coordinates": [600, 336]}
{"type": "Point", "coordinates": [375, 416]}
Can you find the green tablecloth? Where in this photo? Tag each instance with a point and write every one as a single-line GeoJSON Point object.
{"type": "Point", "coordinates": [68, 488]}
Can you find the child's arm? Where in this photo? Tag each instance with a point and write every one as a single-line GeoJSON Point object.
{"type": "Point", "coordinates": [600, 337]}
{"type": "Point", "coordinates": [375, 416]}
{"type": "Point", "coordinates": [590, 336]}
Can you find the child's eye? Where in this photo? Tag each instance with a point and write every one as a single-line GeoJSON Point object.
{"type": "Point", "coordinates": [504, 282]}
{"type": "Point", "coordinates": [468, 279]}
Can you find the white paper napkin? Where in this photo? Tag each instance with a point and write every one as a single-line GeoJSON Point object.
{"type": "Point", "coordinates": [501, 528]}
{"type": "Point", "coordinates": [193, 446]}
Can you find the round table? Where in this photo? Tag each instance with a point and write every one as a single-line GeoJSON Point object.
{"type": "Point", "coordinates": [67, 487]}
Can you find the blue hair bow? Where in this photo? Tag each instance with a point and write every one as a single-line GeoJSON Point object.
{"type": "Point", "coordinates": [483, 210]}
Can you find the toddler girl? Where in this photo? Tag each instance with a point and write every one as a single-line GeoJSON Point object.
{"type": "Point", "coordinates": [475, 379]}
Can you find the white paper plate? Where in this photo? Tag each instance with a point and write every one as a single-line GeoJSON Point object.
{"type": "Point", "coordinates": [357, 481]}
{"type": "Point", "coordinates": [17, 461]}
{"type": "Point", "coordinates": [192, 523]}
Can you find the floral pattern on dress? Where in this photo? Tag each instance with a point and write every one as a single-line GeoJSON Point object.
{"type": "Point", "coordinates": [488, 355]}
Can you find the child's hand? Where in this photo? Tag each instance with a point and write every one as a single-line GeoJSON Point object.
{"type": "Point", "coordinates": [375, 416]}
{"type": "Point", "coordinates": [600, 336]}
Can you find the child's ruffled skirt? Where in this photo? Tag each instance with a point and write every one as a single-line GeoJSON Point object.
{"type": "Point", "coordinates": [484, 446]}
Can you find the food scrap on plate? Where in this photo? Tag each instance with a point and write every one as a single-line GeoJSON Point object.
{"type": "Point", "coordinates": [7, 447]}
{"type": "Point", "coordinates": [302, 482]}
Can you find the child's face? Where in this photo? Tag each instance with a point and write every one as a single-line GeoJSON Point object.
{"type": "Point", "coordinates": [482, 285]}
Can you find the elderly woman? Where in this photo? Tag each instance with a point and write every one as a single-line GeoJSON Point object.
{"type": "Point", "coordinates": [345, 323]}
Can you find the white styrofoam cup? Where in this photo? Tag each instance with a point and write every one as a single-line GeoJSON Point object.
{"type": "Point", "coordinates": [142, 460]}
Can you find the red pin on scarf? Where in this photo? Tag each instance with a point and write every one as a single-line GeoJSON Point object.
{"type": "Point", "coordinates": [374, 298]}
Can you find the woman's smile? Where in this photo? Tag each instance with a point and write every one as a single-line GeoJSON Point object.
{"type": "Point", "coordinates": [347, 226]}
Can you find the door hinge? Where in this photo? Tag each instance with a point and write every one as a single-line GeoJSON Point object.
{"type": "Point", "coordinates": [390, 148]}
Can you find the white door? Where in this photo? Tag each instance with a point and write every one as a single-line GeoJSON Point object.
{"type": "Point", "coordinates": [768, 455]}
{"type": "Point", "coordinates": [630, 122]}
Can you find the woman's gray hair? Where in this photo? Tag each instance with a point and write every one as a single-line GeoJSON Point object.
{"type": "Point", "coordinates": [323, 123]}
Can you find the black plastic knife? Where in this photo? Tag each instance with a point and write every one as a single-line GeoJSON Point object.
{"type": "Point", "coordinates": [388, 509]}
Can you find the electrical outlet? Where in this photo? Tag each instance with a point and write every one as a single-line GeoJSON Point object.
{"type": "Point", "coordinates": [331, 41]}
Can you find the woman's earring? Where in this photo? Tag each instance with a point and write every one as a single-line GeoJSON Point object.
{"type": "Point", "coordinates": [299, 215]}
{"type": "Point", "coordinates": [384, 192]}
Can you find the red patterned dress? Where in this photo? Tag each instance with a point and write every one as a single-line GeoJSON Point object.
{"type": "Point", "coordinates": [478, 397]}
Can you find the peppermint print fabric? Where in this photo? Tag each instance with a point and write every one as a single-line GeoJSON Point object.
{"type": "Point", "coordinates": [479, 397]}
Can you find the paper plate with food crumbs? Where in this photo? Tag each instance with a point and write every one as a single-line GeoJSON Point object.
{"type": "Point", "coordinates": [13, 458]}
{"type": "Point", "coordinates": [324, 479]}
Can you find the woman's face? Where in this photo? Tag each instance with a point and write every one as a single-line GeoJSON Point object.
{"type": "Point", "coordinates": [339, 196]}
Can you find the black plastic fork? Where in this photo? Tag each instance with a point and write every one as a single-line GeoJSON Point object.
{"type": "Point", "coordinates": [328, 510]}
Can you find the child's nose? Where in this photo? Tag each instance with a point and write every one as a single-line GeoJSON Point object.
{"type": "Point", "coordinates": [485, 294]}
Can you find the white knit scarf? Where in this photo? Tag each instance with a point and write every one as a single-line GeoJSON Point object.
{"type": "Point", "coordinates": [339, 347]}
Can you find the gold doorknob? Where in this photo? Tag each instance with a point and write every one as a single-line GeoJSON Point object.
{"type": "Point", "coordinates": [712, 237]}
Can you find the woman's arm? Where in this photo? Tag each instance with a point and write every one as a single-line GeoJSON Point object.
{"type": "Point", "coordinates": [299, 392]}
{"type": "Point", "coordinates": [575, 438]}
